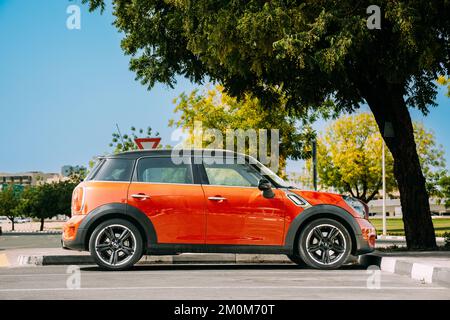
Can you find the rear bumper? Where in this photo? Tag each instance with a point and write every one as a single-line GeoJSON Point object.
{"type": "Point", "coordinates": [75, 244]}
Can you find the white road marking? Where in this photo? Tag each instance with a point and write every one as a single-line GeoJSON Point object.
{"type": "Point", "coordinates": [189, 272]}
{"type": "Point", "coordinates": [223, 288]}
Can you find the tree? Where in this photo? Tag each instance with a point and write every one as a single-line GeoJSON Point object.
{"type": "Point", "coordinates": [77, 175]}
{"type": "Point", "coordinates": [307, 53]}
{"type": "Point", "coordinates": [216, 109]}
{"type": "Point", "coordinates": [47, 200]}
{"type": "Point", "coordinates": [350, 151]}
{"type": "Point", "coordinates": [9, 201]}
{"type": "Point", "coordinates": [443, 81]}
{"type": "Point", "coordinates": [64, 190]}
{"type": "Point", "coordinates": [125, 142]}
{"type": "Point", "coordinates": [444, 184]}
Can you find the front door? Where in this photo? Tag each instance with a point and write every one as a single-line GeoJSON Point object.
{"type": "Point", "coordinates": [166, 193]}
{"type": "Point", "coordinates": [237, 212]}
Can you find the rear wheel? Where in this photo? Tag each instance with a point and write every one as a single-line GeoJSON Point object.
{"type": "Point", "coordinates": [324, 244]}
{"type": "Point", "coordinates": [116, 244]}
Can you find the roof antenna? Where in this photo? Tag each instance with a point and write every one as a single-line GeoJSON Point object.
{"type": "Point", "coordinates": [120, 135]}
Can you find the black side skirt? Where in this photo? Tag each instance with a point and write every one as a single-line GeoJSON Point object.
{"type": "Point", "coordinates": [171, 248]}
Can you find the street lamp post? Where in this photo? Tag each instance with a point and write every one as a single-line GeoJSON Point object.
{"type": "Point", "coordinates": [314, 163]}
{"type": "Point", "coordinates": [383, 164]}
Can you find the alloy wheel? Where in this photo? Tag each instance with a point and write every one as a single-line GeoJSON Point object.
{"type": "Point", "coordinates": [326, 244]}
{"type": "Point", "coordinates": [115, 245]}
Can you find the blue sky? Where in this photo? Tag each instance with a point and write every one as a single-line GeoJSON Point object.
{"type": "Point", "coordinates": [63, 91]}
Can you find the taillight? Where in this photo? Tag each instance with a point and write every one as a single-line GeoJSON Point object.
{"type": "Point", "coordinates": [78, 200]}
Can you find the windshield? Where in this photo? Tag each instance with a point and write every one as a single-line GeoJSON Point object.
{"type": "Point", "coordinates": [270, 174]}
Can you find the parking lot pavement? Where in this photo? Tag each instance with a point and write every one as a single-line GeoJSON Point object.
{"type": "Point", "coordinates": [211, 282]}
{"type": "Point", "coordinates": [30, 241]}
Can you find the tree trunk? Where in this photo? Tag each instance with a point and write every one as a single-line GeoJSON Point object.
{"type": "Point", "coordinates": [42, 225]}
{"type": "Point", "coordinates": [12, 223]}
{"type": "Point", "coordinates": [394, 121]}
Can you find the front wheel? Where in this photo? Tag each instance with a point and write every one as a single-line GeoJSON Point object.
{"type": "Point", "coordinates": [116, 244]}
{"type": "Point", "coordinates": [324, 244]}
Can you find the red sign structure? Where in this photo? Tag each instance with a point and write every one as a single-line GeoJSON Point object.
{"type": "Point", "coordinates": [147, 143]}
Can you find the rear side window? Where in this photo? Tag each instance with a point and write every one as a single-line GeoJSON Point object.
{"type": "Point", "coordinates": [115, 170]}
{"type": "Point", "coordinates": [163, 170]}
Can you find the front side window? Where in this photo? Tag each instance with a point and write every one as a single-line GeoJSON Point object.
{"type": "Point", "coordinates": [239, 175]}
{"type": "Point", "coordinates": [163, 170]}
{"type": "Point", "coordinates": [114, 170]}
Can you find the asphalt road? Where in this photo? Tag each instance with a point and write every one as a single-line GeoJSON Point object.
{"type": "Point", "coordinates": [30, 241]}
{"type": "Point", "coordinates": [211, 282]}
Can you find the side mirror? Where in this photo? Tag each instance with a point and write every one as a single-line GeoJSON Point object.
{"type": "Point", "coordinates": [266, 187]}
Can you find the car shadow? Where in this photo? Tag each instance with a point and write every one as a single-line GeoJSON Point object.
{"type": "Point", "coordinates": [178, 267]}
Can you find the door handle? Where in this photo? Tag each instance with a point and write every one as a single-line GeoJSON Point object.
{"type": "Point", "coordinates": [142, 196]}
{"type": "Point", "coordinates": [217, 198]}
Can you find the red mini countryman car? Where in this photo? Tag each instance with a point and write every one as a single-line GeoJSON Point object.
{"type": "Point", "coordinates": [148, 203]}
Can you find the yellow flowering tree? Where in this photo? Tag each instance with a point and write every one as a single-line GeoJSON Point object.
{"type": "Point", "coordinates": [217, 110]}
{"type": "Point", "coordinates": [350, 151]}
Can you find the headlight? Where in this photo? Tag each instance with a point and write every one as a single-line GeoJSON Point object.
{"type": "Point", "coordinates": [357, 205]}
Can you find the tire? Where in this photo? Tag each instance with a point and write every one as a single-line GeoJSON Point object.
{"type": "Point", "coordinates": [116, 244]}
{"type": "Point", "coordinates": [324, 244]}
{"type": "Point", "coordinates": [295, 258]}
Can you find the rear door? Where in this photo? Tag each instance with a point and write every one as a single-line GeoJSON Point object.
{"type": "Point", "coordinates": [237, 212]}
{"type": "Point", "coordinates": [166, 193]}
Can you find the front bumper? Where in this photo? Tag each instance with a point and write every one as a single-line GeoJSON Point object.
{"type": "Point", "coordinates": [363, 246]}
{"type": "Point", "coordinates": [365, 242]}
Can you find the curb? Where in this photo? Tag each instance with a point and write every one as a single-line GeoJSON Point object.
{"type": "Point", "coordinates": [425, 273]}
{"type": "Point", "coordinates": [186, 258]}
{"type": "Point", "coordinates": [402, 238]}
{"type": "Point", "coordinates": [39, 260]}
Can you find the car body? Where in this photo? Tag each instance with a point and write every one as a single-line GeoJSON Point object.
{"type": "Point", "coordinates": [159, 202]}
{"type": "Point", "coordinates": [22, 220]}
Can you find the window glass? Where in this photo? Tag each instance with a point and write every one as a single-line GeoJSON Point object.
{"type": "Point", "coordinates": [163, 170]}
{"type": "Point", "coordinates": [115, 170]}
{"type": "Point", "coordinates": [240, 175]}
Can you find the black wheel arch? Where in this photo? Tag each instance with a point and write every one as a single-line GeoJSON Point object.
{"type": "Point", "coordinates": [318, 212]}
{"type": "Point", "coordinates": [121, 211]}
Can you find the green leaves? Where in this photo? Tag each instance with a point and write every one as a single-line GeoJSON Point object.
{"type": "Point", "coordinates": [125, 142]}
{"type": "Point", "coordinates": [349, 157]}
{"type": "Point", "coordinates": [312, 51]}
{"type": "Point", "coordinates": [217, 110]}
{"type": "Point", "coordinates": [9, 200]}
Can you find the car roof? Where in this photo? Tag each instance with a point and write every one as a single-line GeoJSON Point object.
{"type": "Point", "coordinates": [168, 152]}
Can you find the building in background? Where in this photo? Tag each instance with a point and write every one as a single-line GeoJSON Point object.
{"type": "Point", "coordinates": [31, 178]}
